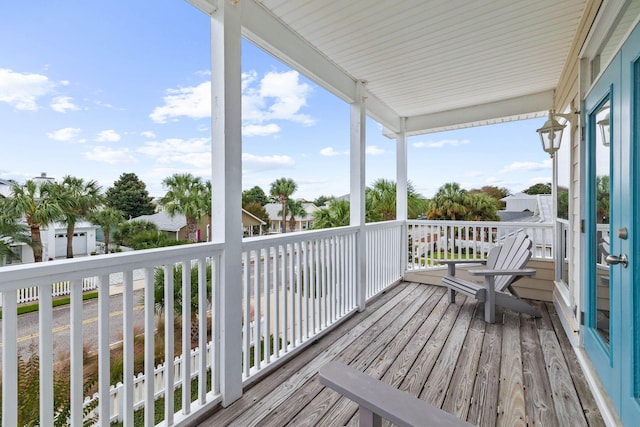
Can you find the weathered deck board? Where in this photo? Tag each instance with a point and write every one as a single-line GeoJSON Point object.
{"type": "Point", "coordinates": [511, 405]}
{"type": "Point", "coordinates": [413, 339]}
{"type": "Point", "coordinates": [587, 401]}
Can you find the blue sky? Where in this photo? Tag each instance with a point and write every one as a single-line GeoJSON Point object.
{"type": "Point", "coordinates": [95, 90]}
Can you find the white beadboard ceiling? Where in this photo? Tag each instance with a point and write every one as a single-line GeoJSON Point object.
{"type": "Point", "coordinates": [441, 64]}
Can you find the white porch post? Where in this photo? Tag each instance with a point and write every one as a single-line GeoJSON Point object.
{"type": "Point", "coordinates": [357, 189]}
{"type": "Point", "coordinates": [226, 153]}
{"type": "Point", "coordinates": [402, 209]}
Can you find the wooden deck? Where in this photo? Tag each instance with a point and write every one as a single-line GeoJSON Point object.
{"type": "Point", "coordinates": [519, 371]}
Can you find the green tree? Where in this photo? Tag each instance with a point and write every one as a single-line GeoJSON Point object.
{"type": "Point", "coordinates": [481, 207]}
{"type": "Point", "coordinates": [160, 306]}
{"type": "Point", "coordinates": [130, 196]}
{"type": "Point", "coordinates": [190, 196]}
{"type": "Point", "coordinates": [602, 199]}
{"type": "Point", "coordinates": [254, 195]}
{"type": "Point", "coordinates": [126, 231]}
{"type": "Point", "coordinates": [563, 203]}
{"type": "Point", "coordinates": [448, 203]}
{"type": "Point", "coordinates": [107, 219]}
{"type": "Point", "coordinates": [77, 199]}
{"type": "Point", "coordinates": [323, 200]}
{"type": "Point", "coordinates": [538, 189]}
{"type": "Point", "coordinates": [11, 231]}
{"type": "Point", "coordinates": [380, 201]}
{"type": "Point", "coordinates": [35, 203]}
{"type": "Point", "coordinates": [281, 190]}
{"type": "Point", "coordinates": [295, 208]}
{"type": "Point", "coordinates": [336, 214]}
{"type": "Point", "coordinates": [258, 210]}
{"type": "Point", "coordinates": [497, 193]}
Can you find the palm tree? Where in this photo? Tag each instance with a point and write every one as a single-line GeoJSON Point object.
{"type": "Point", "coordinates": [295, 208]}
{"type": "Point", "coordinates": [77, 199]}
{"type": "Point", "coordinates": [448, 203]}
{"type": "Point", "coordinates": [335, 215]}
{"type": "Point", "coordinates": [282, 189]}
{"type": "Point", "coordinates": [380, 201]}
{"type": "Point", "coordinates": [190, 196]}
{"type": "Point", "coordinates": [106, 219]}
{"type": "Point", "coordinates": [11, 231]}
{"type": "Point", "coordinates": [35, 203]}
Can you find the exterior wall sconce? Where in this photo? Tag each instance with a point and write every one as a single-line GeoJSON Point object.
{"type": "Point", "coordinates": [551, 132]}
{"type": "Point", "coordinates": [605, 130]}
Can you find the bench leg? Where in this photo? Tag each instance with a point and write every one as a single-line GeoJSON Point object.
{"type": "Point", "coordinates": [368, 418]}
{"type": "Point", "coordinates": [452, 296]}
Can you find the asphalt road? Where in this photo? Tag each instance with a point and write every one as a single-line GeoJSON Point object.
{"type": "Point", "coordinates": [28, 330]}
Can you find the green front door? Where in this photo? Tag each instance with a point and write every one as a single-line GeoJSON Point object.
{"type": "Point", "coordinates": [612, 194]}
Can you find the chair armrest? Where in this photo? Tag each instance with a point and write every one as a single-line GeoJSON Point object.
{"type": "Point", "coordinates": [516, 272]}
{"type": "Point", "coordinates": [451, 264]}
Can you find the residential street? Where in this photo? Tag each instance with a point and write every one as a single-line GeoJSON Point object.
{"type": "Point", "coordinates": [28, 326]}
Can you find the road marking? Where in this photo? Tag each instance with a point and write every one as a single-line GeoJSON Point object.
{"type": "Point", "coordinates": [65, 327]}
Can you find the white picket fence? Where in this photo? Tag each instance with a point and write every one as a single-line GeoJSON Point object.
{"type": "Point", "coordinates": [116, 393]}
{"type": "Point", "coordinates": [58, 289]}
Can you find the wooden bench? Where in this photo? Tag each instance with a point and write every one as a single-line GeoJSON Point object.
{"type": "Point", "coordinates": [378, 400]}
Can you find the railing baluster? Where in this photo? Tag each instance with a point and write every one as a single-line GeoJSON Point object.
{"type": "Point", "coordinates": [267, 304]}
{"type": "Point", "coordinates": [75, 353]}
{"type": "Point", "coordinates": [104, 363]}
{"type": "Point", "coordinates": [186, 337]}
{"type": "Point", "coordinates": [202, 330]}
{"type": "Point", "coordinates": [257, 303]}
{"type": "Point", "coordinates": [149, 347]}
{"type": "Point", "coordinates": [9, 358]}
{"type": "Point", "coordinates": [168, 344]}
{"type": "Point", "coordinates": [127, 351]}
{"type": "Point", "coordinates": [246, 324]}
{"type": "Point", "coordinates": [45, 315]}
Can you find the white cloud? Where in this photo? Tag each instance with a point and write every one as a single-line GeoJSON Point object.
{"type": "Point", "coordinates": [108, 135]}
{"type": "Point", "coordinates": [64, 134]}
{"type": "Point", "coordinates": [441, 143]}
{"type": "Point", "coordinates": [330, 152]}
{"type": "Point", "coordinates": [21, 90]}
{"type": "Point", "coordinates": [194, 152]}
{"type": "Point", "coordinates": [372, 150]}
{"type": "Point", "coordinates": [277, 96]}
{"type": "Point", "coordinates": [193, 102]}
{"type": "Point", "coordinates": [148, 134]}
{"type": "Point", "coordinates": [252, 161]}
{"type": "Point", "coordinates": [110, 155]}
{"type": "Point", "coordinates": [260, 130]}
{"type": "Point", "coordinates": [527, 166]}
{"type": "Point", "coordinates": [62, 104]}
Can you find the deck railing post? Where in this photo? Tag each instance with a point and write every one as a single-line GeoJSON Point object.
{"type": "Point", "coordinates": [401, 193]}
{"type": "Point", "coordinates": [226, 153]}
{"type": "Point", "coordinates": [357, 187]}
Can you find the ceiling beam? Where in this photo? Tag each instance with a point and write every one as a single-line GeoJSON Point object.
{"type": "Point", "coordinates": [527, 106]}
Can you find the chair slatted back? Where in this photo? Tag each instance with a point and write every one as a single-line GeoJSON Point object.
{"type": "Point", "coordinates": [514, 253]}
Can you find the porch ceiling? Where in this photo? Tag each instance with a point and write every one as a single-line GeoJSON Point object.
{"type": "Point", "coordinates": [442, 64]}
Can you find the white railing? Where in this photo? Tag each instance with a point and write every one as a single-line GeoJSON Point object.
{"type": "Point", "coordinates": [58, 289]}
{"type": "Point", "coordinates": [384, 250]}
{"type": "Point", "coordinates": [300, 283]}
{"type": "Point", "coordinates": [432, 241]}
{"type": "Point", "coordinates": [43, 275]}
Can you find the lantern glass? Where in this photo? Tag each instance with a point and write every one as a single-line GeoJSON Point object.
{"type": "Point", "coordinates": [551, 135]}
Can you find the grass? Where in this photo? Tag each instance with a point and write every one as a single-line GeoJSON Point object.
{"type": "Point", "coordinates": [31, 307]}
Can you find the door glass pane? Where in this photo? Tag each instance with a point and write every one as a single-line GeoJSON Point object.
{"type": "Point", "coordinates": [602, 214]}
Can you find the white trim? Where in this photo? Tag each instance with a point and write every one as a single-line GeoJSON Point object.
{"type": "Point", "coordinates": [358, 140]}
{"type": "Point", "coordinates": [609, 415]}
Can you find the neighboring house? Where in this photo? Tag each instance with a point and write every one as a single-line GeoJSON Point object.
{"type": "Point", "coordinates": [176, 226]}
{"type": "Point", "coordinates": [275, 217]}
{"type": "Point", "coordinates": [526, 207]}
{"type": "Point", "coordinates": [54, 242]}
{"type": "Point", "coordinates": [5, 187]}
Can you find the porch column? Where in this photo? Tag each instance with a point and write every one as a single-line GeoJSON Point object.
{"type": "Point", "coordinates": [226, 154]}
{"type": "Point", "coordinates": [402, 209]}
{"type": "Point", "coordinates": [357, 190]}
